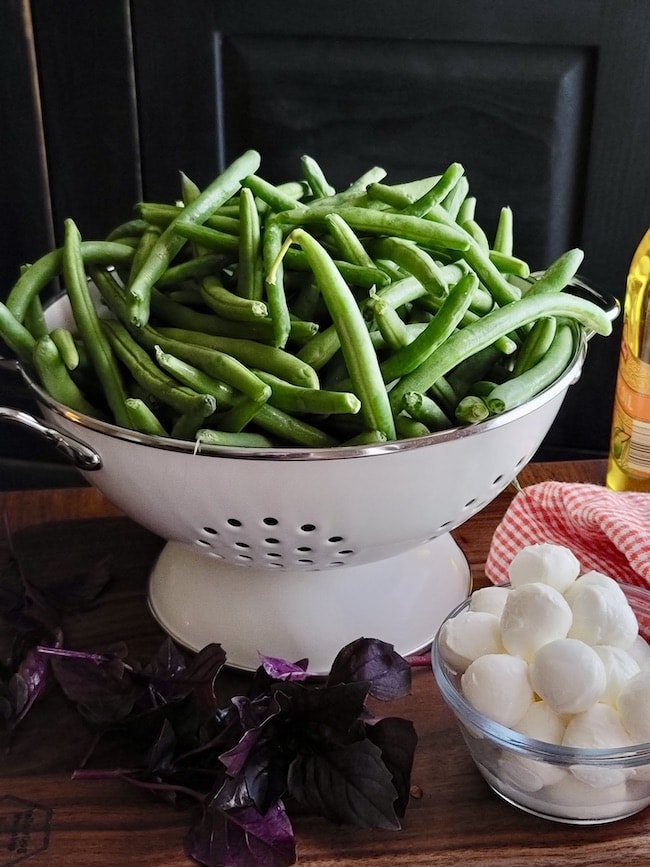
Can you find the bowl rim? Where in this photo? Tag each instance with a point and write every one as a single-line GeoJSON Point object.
{"type": "Point", "coordinates": [467, 715]}
{"type": "Point", "coordinates": [299, 453]}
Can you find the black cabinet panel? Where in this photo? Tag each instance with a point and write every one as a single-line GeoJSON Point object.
{"type": "Point", "coordinates": [515, 116]}
{"type": "Point", "coordinates": [85, 72]}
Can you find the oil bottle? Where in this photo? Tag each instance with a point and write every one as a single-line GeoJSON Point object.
{"type": "Point", "coordinates": [628, 467]}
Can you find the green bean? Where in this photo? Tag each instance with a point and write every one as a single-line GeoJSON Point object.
{"type": "Point", "coordinates": [439, 329]}
{"type": "Point", "coordinates": [186, 425]}
{"type": "Point", "coordinates": [475, 367]}
{"type": "Point", "coordinates": [182, 316]}
{"type": "Point", "coordinates": [559, 273]}
{"type": "Point", "coordinates": [360, 357]}
{"type": "Point", "coordinates": [274, 283]}
{"type": "Point", "coordinates": [480, 262]}
{"type": "Point", "coordinates": [521, 388]}
{"type": "Point", "coordinates": [170, 242]}
{"type": "Point", "coordinates": [467, 211]}
{"type": "Point", "coordinates": [34, 319]}
{"type": "Point", "coordinates": [269, 358]}
{"type": "Point", "coordinates": [87, 321]}
{"type": "Point", "coordinates": [430, 234]}
{"type": "Point", "coordinates": [56, 378]}
{"type": "Point", "coordinates": [249, 265]}
{"type": "Point", "coordinates": [288, 428]}
{"type": "Point", "coordinates": [315, 177]}
{"type": "Point", "coordinates": [483, 387]}
{"type": "Point", "coordinates": [162, 215]}
{"type": "Point", "coordinates": [453, 201]}
{"type": "Point", "coordinates": [321, 348]}
{"type": "Point", "coordinates": [443, 186]}
{"type": "Point", "coordinates": [300, 399]}
{"type": "Point", "coordinates": [211, 239]}
{"type": "Point", "coordinates": [401, 195]}
{"type": "Point", "coordinates": [508, 264]}
{"type": "Point", "coordinates": [244, 439]}
{"type": "Point", "coordinates": [17, 337]}
{"type": "Point", "coordinates": [502, 320]}
{"type": "Point", "coordinates": [220, 365]}
{"type": "Point", "coordinates": [150, 377]}
{"type": "Point", "coordinates": [409, 428]}
{"type": "Point", "coordinates": [148, 238]}
{"type": "Point", "coordinates": [143, 419]}
{"type": "Point", "coordinates": [68, 349]}
{"type": "Point", "coordinates": [424, 409]}
{"type": "Point", "coordinates": [477, 233]}
{"type": "Point", "coordinates": [471, 410]}
{"type": "Point", "coordinates": [129, 229]}
{"type": "Point", "coordinates": [194, 378]}
{"type": "Point", "coordinates": [347, 241]}
{"type": "Point", "coordinates": [237, 417]}
{"type": "Point", "coordinates": [391, 326]}
{"type": "Point", "coordinates": [38, 275]}
{"type": "Point", "coordinates": [503, 238]}
{"type": "Point", "coordinates": [366, 438]}
{"type": "Point", "coordinates": [444, 395]}
{"type": "Point", "coordinates": [274, 196]}
{"type": "Point", "coordinates": [416, 261]}
{"type": "Point", "coordinates": [356, 275]}
{"type": "Point", "coordinates": [229, 304]}
{"type": "Point", "coordinates": [536, 344]}
{"type": "Point", "coordinates": [199, 266]}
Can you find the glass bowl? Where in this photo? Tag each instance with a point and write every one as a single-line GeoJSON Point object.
{"type": "Point", "coordinates": [565, 784]}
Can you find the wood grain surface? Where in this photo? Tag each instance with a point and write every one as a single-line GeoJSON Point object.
{"type": "Point", "coordinates": [47, 819]}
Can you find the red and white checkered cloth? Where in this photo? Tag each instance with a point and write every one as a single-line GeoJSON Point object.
{"type": "Point", "coordinates": [607, 530]}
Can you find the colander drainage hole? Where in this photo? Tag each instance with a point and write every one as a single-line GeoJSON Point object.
{"type": "Point", "coordinates": [234, 522]}
{"type": "Point", "coordinates": [210, 531]}
{"type": "Point", "coordinates": [270, 522]}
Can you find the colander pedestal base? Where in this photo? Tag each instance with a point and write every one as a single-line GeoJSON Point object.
{"type": "Point", "coordinates": [291, 615]}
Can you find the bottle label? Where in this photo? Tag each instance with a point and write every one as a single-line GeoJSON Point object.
{"type": "Point", "coordinates": [631, 418]}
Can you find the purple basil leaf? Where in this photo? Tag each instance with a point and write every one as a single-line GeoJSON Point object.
{"type": "Point", "coordinates": [347, 784]}
{"type": "Point", "coordinates": [397, 740]}
{"type": "Point", "coordinates": [200, 677]}
{"type": "Point", "coordinates": [98, 683]}
{"type": "Point", "coordinates": [255, 716]}
{"type": "Point", "coordinates": [332, 708]}
{"type": "Point", "coordinates": [279, 669]}
{"type": "Point", "coordinates": [376, 662]}
{"type": "Point", "coordinates": [21, 606]}
{"type": "Point", "coordinates": [242, 837]}
{"type": "Point", "coordinates": [78, 591]}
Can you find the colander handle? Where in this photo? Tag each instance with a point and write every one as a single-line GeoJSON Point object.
{"type": "Point", "coordinates": [609, 303]}
{"type": "Point", "coordinates": [82, 456]}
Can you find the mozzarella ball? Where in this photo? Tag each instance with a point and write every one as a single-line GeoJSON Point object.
{"type": "Point", "coordinates": [497, 685]}
{"type": "Point", "coordinates": [601, 612]}
{"type": "Point", "coordinates": [568, 674]}
{"type": "Point", "coordinates": [533, 615]}
{"type": "Point", "coordinates": [547, 563]}
{"type": "Point", "coordinates": [467, 636]}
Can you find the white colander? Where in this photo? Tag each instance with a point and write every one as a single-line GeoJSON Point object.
{"type": "Point", "coordinates": [295, 552]}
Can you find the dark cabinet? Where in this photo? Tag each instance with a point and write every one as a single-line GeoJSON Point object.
{"type": "Point", "coordinates": [545, 104]}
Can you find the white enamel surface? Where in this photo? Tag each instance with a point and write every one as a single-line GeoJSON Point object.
{"type": "Point", "coordinates": [293, 614]}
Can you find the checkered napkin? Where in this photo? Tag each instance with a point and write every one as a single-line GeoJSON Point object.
{"type": "Point", "coordinates": [606, 530]}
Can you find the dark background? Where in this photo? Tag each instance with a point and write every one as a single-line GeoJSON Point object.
{"type": "Point", "coordinates": [103, 102]}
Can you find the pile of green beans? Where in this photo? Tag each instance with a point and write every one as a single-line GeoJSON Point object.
{"type": "Point", "coordinates": [295, 315]}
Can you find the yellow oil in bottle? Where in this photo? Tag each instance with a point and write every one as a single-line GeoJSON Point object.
{"type": "Point", "coordinates": [628, 467]}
